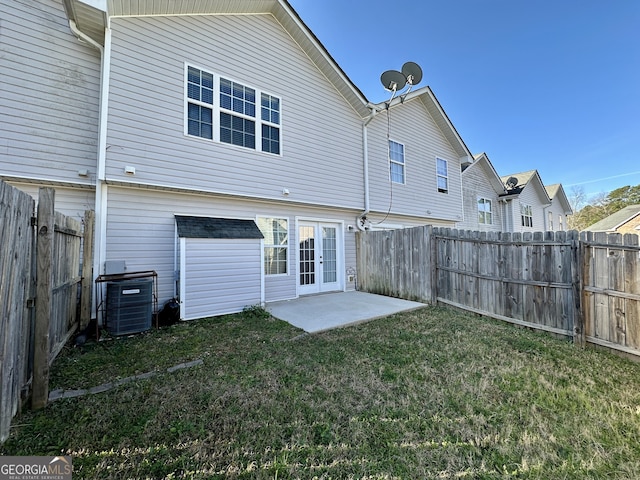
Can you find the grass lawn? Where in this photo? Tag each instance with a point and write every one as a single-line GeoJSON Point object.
{"type": "Point", "coordinates": [433, 393]}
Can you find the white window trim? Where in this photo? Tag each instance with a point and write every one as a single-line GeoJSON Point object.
{"type": "Point", "coordinates": [403, 164]}
{"type": "Point", "coordinates": [523, 215]}
{"type": "Point", "coordinates": [446, 177]}
{"type": "Point", "coordinates": [217, 109]}
{"type": "Point", "coordinates": [266, 245]}
{"type": "Point", "coordinates": [490, 212]}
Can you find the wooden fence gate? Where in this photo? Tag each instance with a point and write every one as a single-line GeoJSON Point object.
{"type": "Point", "coordinates": [44, 296]}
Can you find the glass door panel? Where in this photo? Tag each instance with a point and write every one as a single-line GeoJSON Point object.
{"type": "Point", "coordinates": [307, 255]}
{"type": "Point", "coordinates": [329, 255]}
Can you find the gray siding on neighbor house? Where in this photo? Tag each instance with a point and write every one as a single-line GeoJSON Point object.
{"type": "Point", "coordinates": [49, 95]}
{"type": "Point", "coordinates": [141, 231]}
{"type": "Point", "coordinates": [321, 161]}
{"type": "Point", "coordinates": [412, 125]}
{"type": "Point", "coordinates": [476, 184]}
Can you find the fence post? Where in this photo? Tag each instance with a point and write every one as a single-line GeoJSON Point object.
{"type": "Point", "coordinates": [87, 271]}
{"type": "Point", "coordinates": [433, 263]}
{"type": "Point", "coordinates": [577, 272]}
{"type": "Point", "coordinates": [44, 249]}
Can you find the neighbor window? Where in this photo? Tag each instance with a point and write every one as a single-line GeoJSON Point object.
{"type": "Point", "coordinates": [237, 118]}
{"type": "Point", "coordinates": [442, 174]}
{"type": "Point", "coordinates": [526, 213]}
{"type": "Point", "coordinates": [276, 244]}
{"type": "Point", "coordinates": [484, 211]}
{"type": "Point", "coordinates": [550, 217]}
{"type": "Point", "coordinates": [396, 162]}
{"type": "Point", "coordinates": [560, 223]}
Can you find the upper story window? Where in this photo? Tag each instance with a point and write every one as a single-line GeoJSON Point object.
{"type": "Point", "coordinates": [526, 213]}
{"type": "Point", "coordinates": [560, 223]}
{"type": "Point", "coordinates": [442, 175]}
{"type": "Point", "coordinates": [396, 162]}
{"type": "Point", "coordinates": [485, 215]}
{"type": "Point", "coordinates": [550, 217]}
{"type": "Point", "coordinates": [226, 111]}
{"type": "Point", "coordinates": [276, 244]}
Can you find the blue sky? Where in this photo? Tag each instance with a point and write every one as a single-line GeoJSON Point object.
{"type": "Point", "coordinates": [552, 85]}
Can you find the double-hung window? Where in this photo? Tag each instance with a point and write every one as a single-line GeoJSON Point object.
{"type": "Point", "coordinates": [442, 175]}
{"type": "Point", "coordinates": [227, 111]}
{"type": "Point", "coordinates": [276, 244]}
{"type": "Point", "coordinates": [396, 162]}
{"type": "Point", "coordinates": [526, 213]}
{"type": "Point", "coordinates": [484, 211]}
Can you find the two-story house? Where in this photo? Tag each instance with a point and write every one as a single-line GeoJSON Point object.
{"type": "Point", "coordinates": [512, 203]}
{"type": "Point", "coordinates": [526, 200]}
{"type": "Point", "coordinates": [483, 193]}
{"type": "Point", "coordinates": [218, 142]}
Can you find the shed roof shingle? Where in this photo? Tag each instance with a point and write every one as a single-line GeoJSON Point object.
{"type": "Point", "coordinates": [208, 227]}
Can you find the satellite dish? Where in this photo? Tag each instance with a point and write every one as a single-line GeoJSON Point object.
{"type": "Point", "coordinates": [393, 80]}
{"type": "Point", "coordinates": [412, 72]}
{"type": "Point", "coordinates": [512, 182]}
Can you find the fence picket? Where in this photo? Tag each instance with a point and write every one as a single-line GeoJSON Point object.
{"type": "Point", "coordinates": [18, 257]}
{"type": "Point", "coordinates": [585, 285]}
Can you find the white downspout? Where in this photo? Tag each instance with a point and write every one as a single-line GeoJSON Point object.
{"type": "Point", "coordinates": [101, 187]}
{"type": "Point", "coordinates": [361, 220]}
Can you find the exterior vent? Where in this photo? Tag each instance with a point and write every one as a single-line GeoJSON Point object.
{"type": "Point", "coordinates": [129, 306]}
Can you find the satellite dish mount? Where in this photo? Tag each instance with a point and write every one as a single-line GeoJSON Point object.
{"type": "Point", "coordinates": [395, 81]}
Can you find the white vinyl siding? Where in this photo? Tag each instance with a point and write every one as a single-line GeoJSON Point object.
{"type": "Point", "coordinates": [49, 95]}
{"type": "Point", "coordinates": [72, 202]}
{"type": "Point", "coordinates": [414, 127]}
{"type": "Point", "coordinates": [476, 184]}
{"type": "Point", "coordinates": [147, 112]}
{"type": "Point", "coordinates": [556, 211]}
{"type": "Point", "coordinates": [145, 236]}
{"type": "Point", "coordinates": [220, 276]}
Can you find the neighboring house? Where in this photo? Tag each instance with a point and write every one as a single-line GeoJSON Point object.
{"type": "Point", "coordinates": [482, 190]}
{"type": "Point", "coordinates": [560, 208]}
{"type": "Point", "coordinates": [526, 201]}
{"type": "Point", "coordinates": [219, 144]}
{"type": "Point", "coordinates": [626, 220]}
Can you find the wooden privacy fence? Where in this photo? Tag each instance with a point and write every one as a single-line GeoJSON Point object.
{"type": "Point", "coordinates": [41, 298]}
{"type": "Point", "coordinates": [581, 285]}
{"type": "Point", "coordinates": [611, 290]}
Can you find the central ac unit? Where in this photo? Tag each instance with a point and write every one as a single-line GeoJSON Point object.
{"type": "Point", "coordinates": [129, 306]}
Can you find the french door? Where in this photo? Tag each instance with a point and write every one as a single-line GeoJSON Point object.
{"type": "Point", "coordinates": [319, 257]}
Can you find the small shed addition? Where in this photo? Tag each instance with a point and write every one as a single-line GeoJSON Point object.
{"type": "Point", "coordinates": [220, 265]}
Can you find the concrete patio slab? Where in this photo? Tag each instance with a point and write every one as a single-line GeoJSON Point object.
{"type": "Point", "coordinates": [331, 310]}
